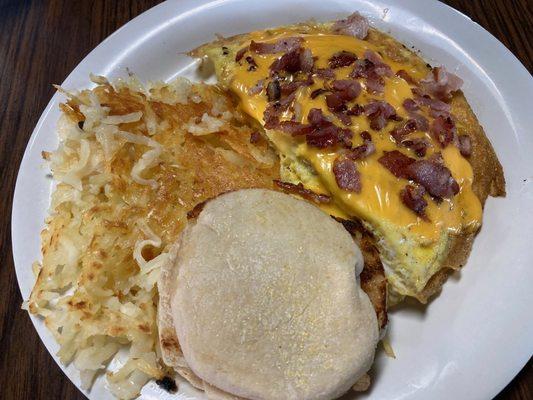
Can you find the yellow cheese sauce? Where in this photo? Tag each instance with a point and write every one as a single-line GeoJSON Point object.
{"type": "Point", "coordinates": [379, 202]}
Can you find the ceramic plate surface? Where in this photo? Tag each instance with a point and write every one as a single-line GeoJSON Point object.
{"type": "Point", "coordinates": [471, 341]}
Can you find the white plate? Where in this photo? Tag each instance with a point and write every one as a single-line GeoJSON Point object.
{"type": "Point", "coordinates": [471, 341]}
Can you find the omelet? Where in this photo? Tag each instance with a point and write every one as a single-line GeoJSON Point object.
{"type": "Point", "coordinates": [379, 135]}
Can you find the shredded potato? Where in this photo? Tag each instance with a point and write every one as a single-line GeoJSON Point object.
{"type": "Point", "coordinates": [127, 171]}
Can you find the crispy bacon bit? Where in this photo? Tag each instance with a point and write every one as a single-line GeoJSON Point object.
{"type": "Point", "coordinates": [299, 189]}
{"type": "Point", "coordinates": [365, 135]}
{"type": "Point", "coordinates": [255, 137]}
{"type": "Point", "coordinates": [293, 61]}
{"type": "Point", "coordinates": [418, 145]}
{"type": "Point", "coordinates": [434, 176]}
{"type": "Point", "coordinates": [343, 117]}
{"type": "Point", "coordinates": [295, 128]}
{"type": "Point", "coordinates": [335, 102]}
{"type": "Point", "coordinates": [240, 54]}
{"type": "Point", "coordinates": [252, 65]}
{"type": "Point", "coordinates": [355, 25]}
{"type": "Point", "coordinates": [413, 197]}
{"type": "Point", "coordinates": [320, 132]}
{"type": "Point", "coordinates": [329, 136]}
{"type": "Point", "coordinates": [379, 66]}
{"type": "Point", "coordinates": [274, 110]}
{"type": "Point", "coordinates": [273, 90]}
{"type": "Point", "coordinates": [406, 77]}
{"type": "Point", "coordinates": [440, 83]}
{"type": "Point", "coordinates": [317, 92]}
{"type": "Point", "coordinates": [317, 118]}
{"type": "Point", "coordinates": [364, 150]}
{"type": "Point", "coordinates": [257, 88]}
{"type": "Point", "coordinates": [325, 73]}
{"type": "Point", "coordinates": [400, 132]}
{"type": "Point", "coordinates": [291, 87]}
{"type": "Point", "coordinates": [410, 105]}
{"type": "Point", "coordinates": [356, 110]}
{"type": "Point", "coordinates": [437, 107]}
{"type": "Point", "coordinates": [346, 175]}
{"type": "Point", "coordinates": [306, 61]}
{"type": "Point", "coordinates": [362, 69]}
{"type": "Point", "coordinates": [465, 145]}
{"type": "Point", "coordinates": [443, 130]}
{"type": "Point", "coordinates": [396, 162]}
{"type": "Point", "coordinates": [378, 112]}
{"type": "Point", "coordinates": [347, 89]}
{"type": "Point", "coordinates": [325, 133]}
{"type": "Point", "coordinates": [422, 123]}
{"type": "Point", "coordinates": [342, 59]}
{"type": "Point", "coordinates": [289, 62]}
{"type": "Point", "coordinates": [283, 45]}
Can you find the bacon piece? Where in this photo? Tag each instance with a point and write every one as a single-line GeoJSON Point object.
{"type": "Point", "coordinates": [379, 66]}
{"type": "Point", "coordinates": [410, 105]}
{"type": "Point", "coordinates": [422, 123]}
{"type": "Point", "coordinates": [413, 197]}
{"type": "Point", "coordinates": [317, 118]}
{"type": "Point", "coordinates": [437, 107]}
{"type": "Point", "coordinates": [289, 62]}
{"type": "Point", "coordinates": [325, 73]}
{"type": "Point", "coordinates": [406, 77]}
{"type": "Point", "coordinates": [418, 145]}
{"type": "Point", "coordinates": [293, 61]}
{"type": "Point", "coordinates": [354, 25]}
{"type": "Point", "coordinates": [346, 175]}
{"type": "Point", "coordinates": [465, 145]}
{"type": "Point", "coordinates": [441, 84]}
{"type": "Point", "coordinates": [325, 133]}
{"type": "Point", "coordinates": [299, 189]}
{"type": "Point", "coordinates": [364, 150]}
{"type": "Point", "coordinates": [317, 92]}
{"type": "Point", "coordinates": [273, 90]}
{"type": "Point", "coordinates": [291, 87]}
{"type": "Point", "coordinates": [443, 130]}
{"type": "Point", "coordinates": [343, 117]}
{"type": "Point", "coordinates": [342, 59]}
{"type": "Point", "coordinates": [257, 88]}
{"type": "Point", "coordinates": [252, 65]}
{"type": "Point", "coordinates": [362, 69]}
{"type": "Point", "coordinates": [434, 176]}
{"type": "Point", "coordinates": [356, 110]}
{"type": "Point", "coordinates": [378, 112]}
{"type": "Point", "coordinates": [240, 54]}
{"type": "Point", "coordinates": [274, 110]}
{"type": "Point", "coordinates": [284, 45]}
{"type": "Point", "coordinates": [396, 162]}
{"type": "Point", "coordinates": [335, 102]}
{"type": "Point", "coordinates": [255, 137]}
{"type": "Point", "coordinates": [400, 132]}
{"type": "Point", "coordinates": [295, 128]}
{"type": "Point", "coordinates": [328, 136]}
{"type": "Point", "coordinates": [306, 60]}
{"type": "Point", "coordinates": [347, 89]}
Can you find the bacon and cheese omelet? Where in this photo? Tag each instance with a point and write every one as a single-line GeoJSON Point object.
{"type": "Point", "coordinates": [337, 113]}
{"type": "Point", "coordinates": [357, 117]}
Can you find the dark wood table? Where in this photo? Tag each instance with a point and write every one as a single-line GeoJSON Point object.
{"type": "Point", "coordinates": [40, 43]}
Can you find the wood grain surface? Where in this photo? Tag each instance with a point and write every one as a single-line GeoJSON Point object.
{"type": "Point", "coordinates": [40, 43]}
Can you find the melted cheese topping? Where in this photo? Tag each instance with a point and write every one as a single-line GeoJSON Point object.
{"type": "Point", "coordinates": [378, 202]}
